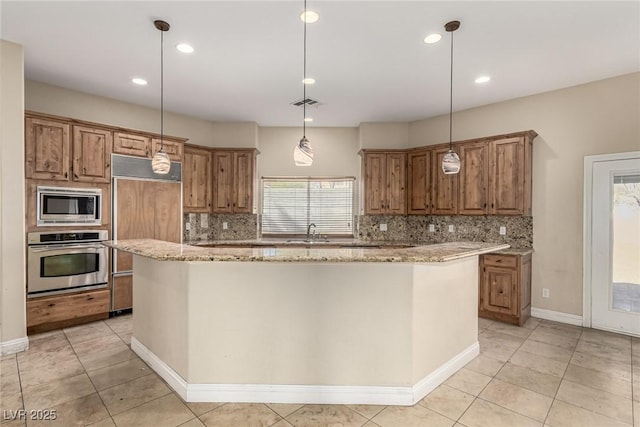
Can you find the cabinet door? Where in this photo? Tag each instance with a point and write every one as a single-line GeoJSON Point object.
{"type": "Point", "coordinates": [444, 190]}
{"type": "Point", "coordinates": [174, 149]}
{"type": "Point", "coordinates": [243, 182]}
{"type": "Point", "coordinates": [498, 292]}
{"type": "Point", "coordinates": [135, 210]}
{"type": "Point", "coordinates": [375, 183]}
{"type": "Point", "coordinates": [122, 292]}
{"type": "Point", "coordinates": [222, 177]}
{"type": "Point", "coordinates": [507, 177]}
{"type": "Point", "coordinates": [46, 149]}
{"type": "Point", "coordinates": [196, 180]}
{"type": "Point", "coordinates": [474, 179]}
{"type": "Point", "coordinates": [91, 154]}
{"type": "Point", "coordinates": [396, 179]}
{"type": "Point", "coordinates": [419, 183]}
{"type": "Point", "coordinates": [168, 215]}
{"type": "Point", "coordinates": [132, 145]}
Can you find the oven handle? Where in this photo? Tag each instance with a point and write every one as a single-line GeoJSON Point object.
{"type": "Point", "coordinates": [58, 247]}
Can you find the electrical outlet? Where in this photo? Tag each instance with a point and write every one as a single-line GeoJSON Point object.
{"type": "Point", "coordinates": [545, 293]}
{"type": "Point", "coordinates": [432, 228]}
{"type": "Point", "coordinates": [503, 231]}
{"type": "Point", "coordinates": [225, 225]}
{"type": "Point", "coordinates": [452, 228]}
{"type": "Point", "coordinates": [187, 226]}
{"type": "Point", "coordinates": [383, 227]}
{"type": "Point", "coordinates": [204, 220]}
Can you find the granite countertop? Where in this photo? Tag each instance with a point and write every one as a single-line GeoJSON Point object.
{"type": "Point", "coordinates": [279, 242]}
{"type": "Point", "coordinates": [166, 251]}
{"type": "Point", "coordinates": [515, 251]}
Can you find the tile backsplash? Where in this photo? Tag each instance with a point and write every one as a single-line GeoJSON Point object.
{"type": "Point", "coordinates": [416, 228]}
{"type": "Point", "coordinates": [410, 228]}
{"type": "Point", "coordinates": [205, 226]}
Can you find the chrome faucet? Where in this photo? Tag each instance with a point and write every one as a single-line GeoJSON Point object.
{"type": "Point", "coordinates": [313, 236]}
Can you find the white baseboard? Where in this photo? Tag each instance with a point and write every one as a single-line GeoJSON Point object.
{"type": "Point", "coordinates": [14, 346]}
{"type": "Point", "coordinates": [308, 394]}
{"type": "Point", "coordinates": [556, 316]}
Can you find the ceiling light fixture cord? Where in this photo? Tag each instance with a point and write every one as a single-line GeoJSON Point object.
{"type": "Point", "coordinates": [161, 90]}
{"type": "Point", "coordinates": [304, 75]}
{"type": "Point", "coordinates": [451, 97]}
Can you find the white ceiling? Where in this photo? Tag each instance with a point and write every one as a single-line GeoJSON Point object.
{"type": "Point", "coordinates": [367, 57]}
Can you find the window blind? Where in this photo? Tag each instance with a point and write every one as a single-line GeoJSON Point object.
{"type": "Point", "coordinates": [289, 205]}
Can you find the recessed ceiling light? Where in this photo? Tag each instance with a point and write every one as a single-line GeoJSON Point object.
{"type": "Point", "coordinates": [309, 81]}
{"type": "Point", "coordinates": [139, 81]}
{"type": "Point", "coordinates": [308, 119]}
{"type": "Point", "coordinates": [184, 48]}
{"type": "Point", "coordinates": [432, 38]}
{"type": "Point", "coordinates": [483, 79]}
{"type": "Point", "coordinates": [309, 16]}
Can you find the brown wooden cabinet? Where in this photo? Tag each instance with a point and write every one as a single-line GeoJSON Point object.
{"type": "Point", "coordinates": [385, 176]}
{"type": "Point", "coordinates": [474, 178]}
{"type": "Point", "coordinates": [91, 154]}
{"type": "Point", "coordinates": [233, 176]}
{"type": "Point", "coordinates": [64, 310]}
{"type": "Point", "coordinates": [505, 288]}
{"type": "Point", "coordinates": [510, 175]}
{"type": "Point", "coordinates": [173, 148]}
{"type": "Point", "coordinates": [132, 144]}
{"type": "Point", "coordinates": [196, 179]}
{"type": "Point", "coordinates": [419, 182]}
{"type": "Point", "coordinates": [444, 188]}
{"type": "Point", "coordinates": [47, 148]}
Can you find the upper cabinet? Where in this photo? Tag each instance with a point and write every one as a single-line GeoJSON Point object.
{"type": "Point", "coordinates": [47, 149]}
{"type": "Point", "coordinates": [174, 149]}
{"type": "Point", "coordinates": [91, 154]}
{"type": "Point", "coordinates": [510, 175]}
{"type": "Point", "coordinates": [419, 182]}
{"type": "Point", "coordinates": [132, 144]}
{"type": "Point", "coordinates": [233, 176]}
{"type": "Point", "coordinates": [196, 179]}
{"type": "Point", "coordinates": [494, 178]}
{"type": "Point", "coordinates": [474, 178]}
{"type": "Point", "coordinates": [384, 182]}
{"type": "Point", "coordinates": [444, 188]}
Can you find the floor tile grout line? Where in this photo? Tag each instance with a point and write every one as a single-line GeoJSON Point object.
{"type": "Point", "coordinates": [555, 396]}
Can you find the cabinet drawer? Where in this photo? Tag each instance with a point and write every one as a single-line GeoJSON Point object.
{"type": "Point", "coordinates": [66, 307]}
{"type": "Point", "coordinates": [500, 260]}
{"type": "Point", "coordinates": [174, 149]}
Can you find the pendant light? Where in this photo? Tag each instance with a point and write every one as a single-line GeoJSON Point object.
{"type": "Point", "coordinates": [451, 160]}
{"type": "Point", "coordinates": [303, 153]}
{"type": "Point", "coordinates": [161, 163]}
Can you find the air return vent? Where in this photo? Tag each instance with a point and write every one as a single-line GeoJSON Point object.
{"type": "Point", "coordinates": [307, 101]}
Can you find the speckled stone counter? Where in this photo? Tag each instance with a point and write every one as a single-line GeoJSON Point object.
{"type": "Point", "coordinates": [166, 251]}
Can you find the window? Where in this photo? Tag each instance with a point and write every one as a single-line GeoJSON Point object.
{"type": "Point", "coordinates": [289, 205]}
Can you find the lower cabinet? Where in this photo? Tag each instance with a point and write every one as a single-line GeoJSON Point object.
{"type": "Point", "coordinates": [60, 311]}
{"type": "Point", "coordinates": [505, 288]}
{"type": "Point", "coordinates": [122, 292]}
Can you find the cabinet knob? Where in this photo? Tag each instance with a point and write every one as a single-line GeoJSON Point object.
{"type": "Point", "coordinates": [51, 304]}
{"type": "Point", "coordinates": [65, 174]}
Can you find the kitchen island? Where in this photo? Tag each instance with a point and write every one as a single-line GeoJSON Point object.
{"type": "Point", "coordinates": [305, 325]}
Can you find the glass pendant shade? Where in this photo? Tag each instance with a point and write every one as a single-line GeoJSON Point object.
{"type": "Point", "coordinates": [161, 163]}
{"type": "Point", "coordinates": [450, 163]}
{"type": "Point", "coordinates": [302, 153]}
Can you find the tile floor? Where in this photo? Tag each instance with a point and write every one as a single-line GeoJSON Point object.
{"type": "Point", "coordinates": [542, 374]}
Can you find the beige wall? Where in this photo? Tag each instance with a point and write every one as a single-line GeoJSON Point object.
{"type": "Point", "coordinates": [12, 237]}
{"type": "Point", "coordinates": [596, 118]}
{"type": "Point", "coordinates": [384, 135]}
{"type": "Point", "coordinates": [335, 152]}
{"type": "Point", "coordinates": [59, 101]}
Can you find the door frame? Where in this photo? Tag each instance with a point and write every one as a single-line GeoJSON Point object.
{"type": "Point", "coordinates": [587, 239]}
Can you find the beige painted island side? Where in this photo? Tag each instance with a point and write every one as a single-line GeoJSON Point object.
{"type": "Point", "coordinates": [305, 325]}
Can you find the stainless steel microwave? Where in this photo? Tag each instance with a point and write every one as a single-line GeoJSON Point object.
{"type": "Point", "coordinates": [68, 206]}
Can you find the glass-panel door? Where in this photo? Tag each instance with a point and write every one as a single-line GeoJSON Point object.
{"type": "Point", "coordinates": [615, 262]}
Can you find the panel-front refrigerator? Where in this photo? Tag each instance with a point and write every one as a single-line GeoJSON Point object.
{"type": "Point", "coordinates": [144, 205]}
